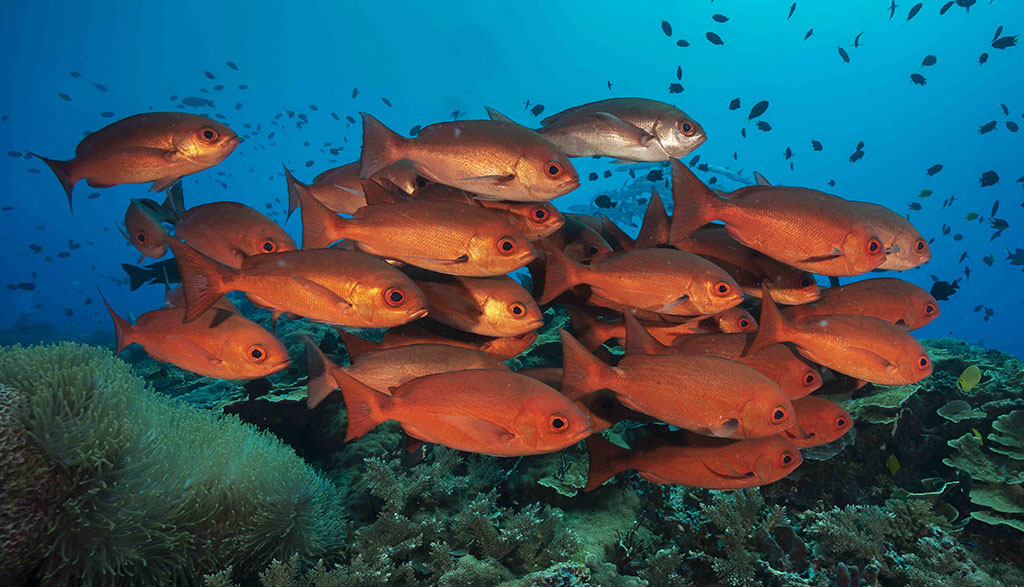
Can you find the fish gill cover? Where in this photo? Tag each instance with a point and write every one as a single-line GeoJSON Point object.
{"type": "Point", "coordinates": [433, 248]}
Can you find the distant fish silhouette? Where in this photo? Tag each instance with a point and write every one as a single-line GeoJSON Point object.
{"type": "Point", "coordinates": [719, 18]}
{"type": "Point", "coordinates": [757, 110]}
{"type": "Point", "coordinates": [914, 10]}
{"type": "Point", "coordinates": [856, 40]}
{"type": "Point", "coordinates": [987, 127]}
{"type": "Point", "coordinates": [764, 126]}
{"type": "Point", "coordinates": [682, 43]}
{"type": "Point", "coordinates": [928, 60]}
{"type": "Point", "coordinates": [1004, 42]}
{"type": "Point", "coordinates": [792, 9]}
{"type": "Point", "coordinates": [734, 105]}
{"type": "Point", "coordinates": [966, 4]}
{"type": "Point", "coordinates": [989, 178]}
{"type": "Point", "coordinates": [934, 169]}
{"type": "Point", "coordinates": [945, 7]}
{"type": "Point", "coordinates": [918, 79]}
{"type": "Point", "coordinates": [982, 59]}
{"type": "Point", "coordinates": [714, 38]}
{"type": "Point", "coordinates": [666, 28]}
{"type": "Point", "coordinates": [892, 9]}
{"type": "Point", "coordinates": [809, 33]}
{"type": "Point", "coordinates": [816, 144]}
{"type": "Point", "coordinates": [1011, 126]}
{"type": "Point", "coordinates": [844, 55]}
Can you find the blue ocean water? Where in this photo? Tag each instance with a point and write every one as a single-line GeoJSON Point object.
{"type": "Point", "coordinates": [429, 60]}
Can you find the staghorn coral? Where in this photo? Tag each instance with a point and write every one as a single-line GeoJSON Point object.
{"type": "Point", "coordinates": [148, 491]}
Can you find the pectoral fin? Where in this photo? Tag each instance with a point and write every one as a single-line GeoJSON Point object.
{"type": "Point", "coordinates": [641, 136]}
{"type": "Point", "coordinates": [834, 254]}
{"type": "Point", "coordinates": [195, 349]}
{"type": "Point", "coordinates": [873, 359]}
{"type": "Point", "coordinates": [726, 470]}
{"type": "Point", "coordinates": [319, 290]}
{"type": "Point", "coordinates": [461, 259]}
{"type": "Point", "coordinates": [495, 180]}
{"type": "Point", "coordinates": [483, 430]}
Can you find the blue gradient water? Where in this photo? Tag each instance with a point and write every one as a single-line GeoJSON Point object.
{"type": "Point", "coordinates": [430, 59]}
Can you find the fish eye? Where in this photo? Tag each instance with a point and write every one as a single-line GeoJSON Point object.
{"type": "Point", "coordinates": [268, 245]}
{"type": "Point", "coordinates": [208, 134]}
{"type": "Point", "coordinates": [256, 353]}
{"type": "Point", "coordinates": [506, 245]}
{"type": "Point", "coordinates": [805, 282]}
{"type": "Point", "coordinates": [518, 310]}
{"type": "Point", "coordinates": [744, 323]}
{"type": "Point", "coordinates": [421, 182]}
{"type": "Point", "coordinates": [787, 459]}
{"type": "Point", "coordinates": [920, 245]}
{"type": "Point", "coordinates": [394, 297]}
{"type": "Point", "coordinates": [592, 250]}
{"type": "Point", "coordinates": [841, 422]}
{"type": "Point", "coordinates": [687, 128]}
{"type": "Point", "coordinates": [539, 214]}
{"type": "Point", "coordinates": [558, 423]}
{"type": "Point", "coordinates": [929, 309]}
{"type": "Point", "coordinates": [923, 362]}
{"type": "Point", "coordinates": [553, 169]}
{"type": "Point", "coordinates": [722, 289]}
{"type": "Point", "coordinates": [779, 415]}
{"type": "Point", "coordinates": [810, 378]}
{"type": "Point", "coordinates": [874, 246]}
{"type": "Point", "coordinates": [141, 237]}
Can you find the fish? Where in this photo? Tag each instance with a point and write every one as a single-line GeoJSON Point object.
{"type": "Point", "coordinates": [792, 9]}
{"type": "Point", "coordinates": [856, 40]}
{"type": "Point", "coordinates": [989, 178]}
{"type": "Point", "coordinates": [843, 54]}
{"type": "Point", "coordinates": [816, 145]}
{"type": "Point", "coordinates": [808, 34]}
{"type": "Point", "coordinates": [893, 464]}
{"type": "Point", "coordinates": [339, 188]}
{"type": "Point", "coordinates": [670, 459]}
{"type": "Point", "coordinates": [905, 248]}
{"type": "Point", "coordinates": [892, 9]}
{"type": "Point", "coordinates": [969, 378]}
{"type": "Point", "coordinates": [821, 421]}
{"type": "Point", "coordinates": [488, 306]}
{"type": "Point", "coordinates": [486, 411]}
{"type": "Point", "coordinates": [987, 127]}
{"type": "Point", "coordinates": [578, 240]}
{"type": "Point", "coordinates": [719, 18]}
{"type": "Point", "coordinates": [666, 28]}
{"type": "Point", "coordinates": [675, 88]}
{"type": "Point", "coordinates": [887, 298]}
{"type": "Point", "coordinates": [808, 229]}
{"type": "Point", "coordinates": [1005, 42]}
{"type": "Point", "coordinates": [503, 348]}
{"type": "Point", "coordinates": [914, 10]}
{"type": "Point", "coordinates": [230, 232]}
{"type": "Point", "coordinates": [143, 230]}
{"type": "Point", "coordinates": [928, 61]}
{"type": "Point", "coordinates": [666, 281]}
{"type": "Point", "coordinates": [945, 7]}
{"type": "Point", "coordinates": [864, 347]}
{"type": "Point", "coordinates": [918, 79]}
{"type": "Point", "coordinates": [629, 129]}
{"type": "Point", "coordinates": [934, 169]}
{"type": "Point", "coordinates": [158, 147]}
{"type": "Point", "coordinates": [442, 236]}
{"type": "Point", "coordinates": [713, 38]}
{"type": "Point", "coordinates": [217, 343]}
{"type": "Point", "coordinates": [165, 272]}
{"type": "Point", "coordinates": [983, 59]}
{"type": "Point", "coordinates": [389, 368]}
{"type": "Point", "coordinates": [592, 331]}
{"type": "Point", "coordinates": [734, 104]}
{"type": "Point", "coordinates": [499, 160]}
{"type": "Point", "coordinates": [609, 232]}
{"type": "Point", "coordinates": [758, 109]}
{"type": "Point", "coordinates": [335, 286]}
{"type": "Point", "coordinates": [762, 126]}
{"type": "Point", "coordinates": [705, 394]}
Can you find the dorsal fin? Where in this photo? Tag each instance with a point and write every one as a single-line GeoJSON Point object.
{"type": "Point", "coordinates": [655, 228]}
{"type": "Point", "coordinates": [376, 193]}
{"type": "Point", "coordinates": [498, 116]}
{"type": "Point", "coordinates": [760, 179]}
{"type": "Point", "coordinates": [638, 340]}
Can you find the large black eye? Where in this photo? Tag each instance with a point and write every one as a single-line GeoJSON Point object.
{"type": "Point", "coordinates": [809, 379]}
{"type": "Point", "coordinates": [268, 245]}
{"type": "Point", "coordinates": [558, 423]}
{"type": "Point", "coordinates": [722, 288]}
{"type": "Point", "coordinates": [553, 169]}
{"type": "Point", "coordinates": [778, 415]}
{"type": "Point", "coordinates": [421, 182]}
{"type": "Point", "coordinates": [506, 245]}
{"type": "Point", "coordinates": [141, 237]}
{"type": "Point", "coordinates": [517, 309]}
{"type": "Point", "coordinates": [687, 127]}
{"type": "Point", "coordinates": [874, 246]}
{"type": "Point", "coordinates": [539, 214]}
{"type": "Point", "coordinates": [592, 250]}
{"type": "Point", "coordinates": [805, 282]}
{"type": "Point", "coordinates": [394, 297]}
{"type": "Point", "coordinates": [744, 323]}
{"type": "Point", "coordinates": [257, 353]}
{"type": "Point", "coordinates": [787, 459]}
{"type": "Point", "coordinates": [208, 134]}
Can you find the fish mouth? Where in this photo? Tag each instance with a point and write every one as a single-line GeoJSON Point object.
{"type": "Point", "coordinates": [418, 314]}
{"type": "Point", "coordinates": [284, 363]}
{"type": "Point", "coordinates": [569, 185]}
{"type": "Point", "coordinates": [582, 434]}
{"type": "Point", "coordinates": [534, 325]}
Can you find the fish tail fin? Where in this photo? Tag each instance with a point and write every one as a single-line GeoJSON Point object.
{"type": "Point", "coordinates": [694, 204]}
{"type": "Point", "coordinates": [381, 146]}
{"type": "Point", "coordinates": [582, 372]}
{"type": "Point", "coordinates": [354, 345]}
{"type": "Point", "coordinates": [587, 329]}
{"type": "Point", "coordinates": [320, 225]}
{"type": "Point", "coordinates": [560, 272]}
{"type": "Point", "coordinates": [655, 228]}
{"type": "Point", "coordinates": [203, 280]}
{"type": "Point", "coordinates": [122, 328]}
{"type": "Point", "coordinates": [638, 340]}
{"type": "Point", "coordinates": [137, 276]}
{"type": "Point", "coordinates": [173, 208]}
{"type": "Point", "coordinates": [364, 405]}
{"type": "Point", "coordinates": [772, 326]}
{"type": "Point", "coordinates": [606, 460]}
{"type": "Point", "coordinates": [319, 372]}
{"type": "Point", "coordinates": [293, 187]}
{"type": "Point", "coordinates": [63, 171]}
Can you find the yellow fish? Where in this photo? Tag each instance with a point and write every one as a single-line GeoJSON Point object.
{"type": "Point", "coordinates": [969, 378]}
{"type": "Point", "coordinates": [978, 434]}
{"type": "Point", "coordinates": [893, 464]}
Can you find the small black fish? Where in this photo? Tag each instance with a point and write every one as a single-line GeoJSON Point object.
{"type": "Point", "coordinates": [788, 154]}
{"type": "Point", "coordinates": [945, 7]}
{"type": "Point", "coordinates": [734, 105]}
{"type": "Point", "coordinates": [743, 132]}
{"type": "Point", "coordinates": [106, 114]}
{"type": "Point", "coordinates": [892, 9]}
{"type": "Point", "coordinates": [763, 126]}
{"type": "Point", "coordinates": [1016, 257]}
{"type": "Point", "coordinates": [983, 59]}
{"type": "Point", "coordinates": [386, 101]}
{"type": "Point", "coordinates": [714, 38]}
{"type": "Point", "coordinates": [666, 28]}
{"type": "Point", "coordinates": [75, 74]}
{"type": "Point", "coordinates": [232, 66]}
{"type": "Point", "coordinates": [844, 55]}
{"type": "Point", "coordinates": [27, 285]}
{"type": "Point", "coordinates": [675, 88]}
{"type": "Point", "coordinates": [607, 173]}
{"type": "Point", "coordinates": [816, 145]}
{"type": "Point", "coordinates": [195, 102]}
{"type": "Point", "coordinates": [808, 34]}
{"type": "Point", "coordinates": [989, 260]}
{"type": "Point", "coordinates": [928, 60]}
{"type": "Point", "coordinates": [958, 237]}
{"type": "Point", "coordinates": [655, 175]}
{"type": "Point", "coordinates": [208, 75]}
{"type": "Point", "coordinates": [918, 79]}
{"type": "Point", "coordinates": [35, 248]}
{"type": "Point", "coordinates": [995, 208]}
{"type": "Point", "coordinates": [679, 72]}
{"type": "Point", "coordinates": [913, 11]}
{"type": "Point", "coordinates": [989, 178]}
{"type": "Point", "coordinates": [99, 87]}
{"type": "Point", "coordinates": [69, 312]}
{"type": "Point", "coordinates": [592, 176]}
{"type": "Point", "coordinates": [832, 183]}
{"type": "Point", "coordinates": [934, 169]}
{"type": "Point", "coordinates": [792, 9]}
{"type": "Point", "coordinates": [941, 290]}
{"type": "Point", "coordinates": [537, 109]}
{"type": "Point", "coordinates": [1006, 109]}
{"type": "Point", "coordinates": [1004, 42]}
{"type": "Point", "coordinates": [999, 31]}
{"type": "Point", "coordinates": [679, 43]}
{"type": "Point", "coordinates": [605, 202]}
{"type": "Point", "coordinates": [1011, 126]}
{"type": "Point", "coordinates": [313, 107]}
{"type": "Point", "coordinates": [415, 130]}
{"type": "Point", "coordinates": [7, 208]}
{"type": "Point", "coordinates": [856, 156]}
{"type": "Point", "coordinates": [856, 40]}
{"type": "Point", "coordinates": [987, 127]}
{"type": "Point", "coordinates": [63, 254]}
{"type": "Point", "coordinates": [609, 85]}
{"type": "Point", "coordinates": [963, 256]}
{"type": "Point", "coordinates": [65, 97]}
{"type": "Point", "coordinates": [719, 18]}
{"type": "Point", "coordinates": [757, 110]}
{"type": "Point", "coordinates": [915, 206]}
{"type": "Point", "coordinates": [355, 92]}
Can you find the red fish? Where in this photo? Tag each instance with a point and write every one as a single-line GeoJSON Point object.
{"type": "Point", "coordinates": [905, 248]}
{"type": "Point", "coordinates": [499, 160]}
{"type": "Point", "coordinates": [489, 306]}
{"type": "Point", "coordinates": [579, 241]}
{"type": "Point", "coordinates": [592, 331]}
{"type": "Point", "coordinates": [608, 230]}
{"type": "Point", "coordinates": [143, 230]}
{"type": "Point", "coordinates": [601, 407]}
{"type": "Point", "coordinates": [709, 395]}
{"type": "Point", "coordinates": [218, 343]}
{"type": "Point", "coordinates": [503, 348]}
{"type": "Point", "coordinates": [446, 237]}
{"type": "Point", "coordinates": [819, 420]}
{"type": "Point", "coordinates": [672, 458]}
{"type": "Point", "coordinates": [325, 285]}
{"type": "Point", "coordinates": [888, 298]}
{"type": "Point", "coordinates": [863, 347]}
{"type": "Point", "coordinates": [485, 411]}
{"type": "Point", "coordinates": [229, 232]}
{"type": "Point", "coordinates": [340, 189]}
{"type": "Point", "coordinates": [383, 370]}
{"type": "Point", "coordinates": [804, 228]}
{"type": "Point", "coordinates": [666, 281]}
{"type": "Point", "coordinates": [158, 147]}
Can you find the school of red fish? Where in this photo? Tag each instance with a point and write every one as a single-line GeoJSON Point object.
{"type": "Point", "coordinates": [419, 235]}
